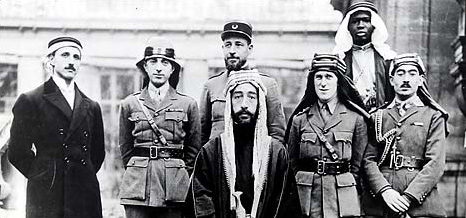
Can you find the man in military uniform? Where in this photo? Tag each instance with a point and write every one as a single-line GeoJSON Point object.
{"type": "Point", "coordinates": [405, 162]}
{"type": "Point", "coordinates": [237, 45]}
{"type": "Point", "coordinates": [57, 140]}
{"type": "Point", "coordinates": [360, 40]}
{"type": "Point", "coordinates": [326, 142]}
{"type": "Point", "coordinates": [159, 138]}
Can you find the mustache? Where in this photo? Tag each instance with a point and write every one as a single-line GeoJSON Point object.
{"type": "Point", "coordinates": [405, 85]}
{"type": "Point", "coordinates": [70, 67]}
{"type": "Point", "coordinates": [243, 111]}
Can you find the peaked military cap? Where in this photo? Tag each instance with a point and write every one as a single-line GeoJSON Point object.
{"type": "Point", "coordinates": [240, 28]}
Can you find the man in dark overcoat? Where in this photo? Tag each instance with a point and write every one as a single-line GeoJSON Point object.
{"type": "Point", "coordinates": [407, 158]}
{"type": "Point", "coordinates": [57, 140]}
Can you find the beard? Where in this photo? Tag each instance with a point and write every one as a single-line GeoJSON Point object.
{"type": "Point", "coordinates": [234, 66]}
{"type": "Point", "coordinates": [239, 118]}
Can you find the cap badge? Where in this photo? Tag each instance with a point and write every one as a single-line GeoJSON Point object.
{"type": "Point", "coordinates": [159, 50]}
{"type": "Point", "coordinates": [234, 26]}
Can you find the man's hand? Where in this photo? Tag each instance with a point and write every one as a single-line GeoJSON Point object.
{"type": "Point", "coordinates": [395, 201]}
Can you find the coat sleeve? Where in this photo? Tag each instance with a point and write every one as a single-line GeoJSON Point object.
{"type": "Point", "coordinates": [275, 115]}
{"type": "Point", "coordinates": [192, 141]}
{"type": "Point", "coordinates": [22, 135]}
{"type": "Point", "coordinates": [126, 139]}
{"type": "Point", "coordinates": [206, 115]}
{"type": "Point", "coordinates": [359, 144]}
{"type": "Point", "coordinates": [293, 145]}
{"type": "Point", "coordinates": [98, 140]}
{"type": "Point", "coordinates": [202, 186]}
{"type": "Point", "coordinates": [372, 174]}
{"type": "Point", "coordinates": [434, 159]}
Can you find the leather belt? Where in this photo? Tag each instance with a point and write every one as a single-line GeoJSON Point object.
{"type": "Point", "coordinates": [322, 167]}
{"type": "Point", "coordinates": [410, 162]}
{"type": "Point", "coordinates": [155, 152]}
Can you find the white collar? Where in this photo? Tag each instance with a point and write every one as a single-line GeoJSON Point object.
{"type": "Point", "coordinates": [61, 83]}
{"type": "Point", "coordinates": [415, 100]}
{"type": "Point", "coordinates": [153, 91]}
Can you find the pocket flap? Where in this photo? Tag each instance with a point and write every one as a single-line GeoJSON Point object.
{"type": "Point", "coordinates": [137, 116]}
{"type": "Point", "coordinates": [345, 180]}
{"type": "Point", "coordinates": [304, 178]}
{"type": "Point", "coordinates": [343, 136]}
{"type": "Point", "coordinates": [175, 115]}
{"type": "Point", "coordinates": [175, 163]}
{"type": "Point", "coordinates": [138, 162]}
{"type": "Point", "coordinates": [309, 137]}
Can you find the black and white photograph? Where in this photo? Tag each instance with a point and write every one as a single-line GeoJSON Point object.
{"type": "Point", "coordinates": [232, 109]}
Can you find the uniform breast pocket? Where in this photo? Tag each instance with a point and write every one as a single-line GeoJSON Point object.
{"type": "Point", "coordinates": [343, 144]}
{"type": "Point", "coordinates": [141, 125]}
{"type": "Point", "coordinates": [218, 108]}
{"type": "Point", "coordinates": [308, 147]}
{"type": "Point", "coordinates": [174, 119]}
{"type": "Point", "coordinates": [139, 118]}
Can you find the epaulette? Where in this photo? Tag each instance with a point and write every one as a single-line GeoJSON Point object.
{"type": "Point", "coordinates": [216, 75]}
{"type": "Point", "coordinates": [264, 74]}
{"type": "Point", "coordinates": [305, 110]}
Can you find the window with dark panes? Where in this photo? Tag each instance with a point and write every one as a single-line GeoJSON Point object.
{"type": "Point", "coordinates": [8, 86]}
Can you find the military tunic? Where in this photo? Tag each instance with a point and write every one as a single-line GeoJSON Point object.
{"type": "Point", "coordinates": [420, 136]}
{"type": "Point", "coordinates": [212, 107]}
{"type": "Point", "coordinates": [157, 182]}
{"type": "Point", "coordinates": [346, 131]}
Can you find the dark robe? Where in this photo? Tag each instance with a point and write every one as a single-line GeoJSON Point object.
{"type": "Point", "coordinates": [385, 92]}
{"type": "Point", "coordinates": [212, 195]}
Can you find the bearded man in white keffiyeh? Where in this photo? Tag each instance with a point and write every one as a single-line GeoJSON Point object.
{"type": "Point", "coordinates": [243, 172]}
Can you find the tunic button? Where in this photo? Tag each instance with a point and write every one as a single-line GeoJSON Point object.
{"type": "Point", "coordinates": [398, 138]}
{"type": "Point", "coordinates": [85, 134]}
{"type": "Point", "coordinates": [399, 124]}
{"type": "Point", "coordinates": [65, 145]}
{"type": "Point", "coordinates": [61, 131]}
{"type": "Point", "coordinates": [83, 162]}
{"type": "Point", "coordinates": [156, 114]}
{"type": "Point", "coordinates": [84, 148]}
{"type": "Point", "coordinates": [325, 131]}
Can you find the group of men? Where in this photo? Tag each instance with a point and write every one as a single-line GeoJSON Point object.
{"type": "Point", "coordinates": [367, 139]}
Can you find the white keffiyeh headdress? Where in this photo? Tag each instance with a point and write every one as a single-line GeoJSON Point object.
{"type": "Point", "coordinates": [344, 41]}
{"type": "Point", "coordinates": [261, 149]}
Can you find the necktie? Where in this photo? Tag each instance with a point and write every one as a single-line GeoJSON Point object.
{"type": "Point", "coordinates": [403, 107]}
{"type": "Point", "coordinates": [158, 97]}
{"type": "Point", "coordinates": [325, 112]}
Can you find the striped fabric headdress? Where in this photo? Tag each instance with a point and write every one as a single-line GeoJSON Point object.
{"type": "Point", "coordinates": [262, 140]}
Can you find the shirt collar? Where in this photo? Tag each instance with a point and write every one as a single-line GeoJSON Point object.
{"type": "Point", "coordinates": [332, 104]}
{"type": "Point", "coordinates": [162, 89]}
{"type": "Point", "coordinates": [414, 100]}
{"type": "Point", "coordinates": [365, 47]}
{"type": "Point", "coordinates": [61, 83]}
